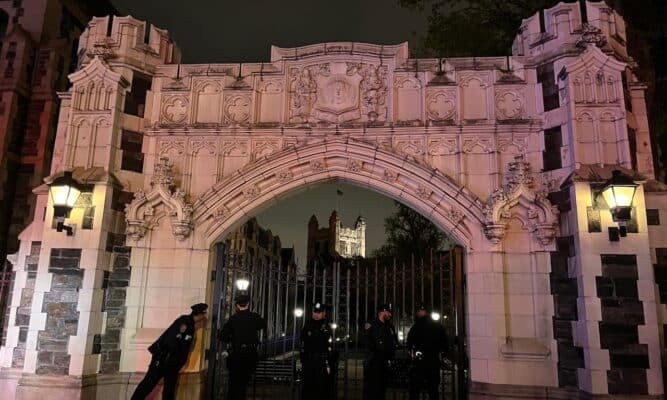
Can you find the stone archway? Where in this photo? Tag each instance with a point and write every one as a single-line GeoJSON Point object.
{"type": "Point", "coordinates": [507, 242]}
{"type": "Point", "coordinates": [450, 206]}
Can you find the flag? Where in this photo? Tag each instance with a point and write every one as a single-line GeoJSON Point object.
{"type": "Point", "coordinates": [339, 192]}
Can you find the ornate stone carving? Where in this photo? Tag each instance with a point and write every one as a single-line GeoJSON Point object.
{"type": "Point", "coordinates": [103, 49]}
{"type": "Point", "coordinates": [439, 147]}
{"type": "Point", "coordinates": [284, 176]}
{"type": "Point", "coordinates": [517, 198]}
{"type": "Point", "coordinates": [354, 165]}
{"type": "Point", "coordinates": [264, 148]}
{"type": "Point", "coordinates": [237, 109]}
{"type": "Point", "coordinates": [509, 105]}
{"type": "Point", "coordinates": [304, 95]}
{"type": "Point", "coordinates": [174, 109]}
{"type": "Point", "coordinates": [140, 214]}
{"type": "Point", "coordinates": [235, 148]}
{"type": "Point", "coordinates": [220, 214]}
{"type": "Point", "coordinates": [591, 35]}
{"type": "Point", "coordinates": [389, 175]}
{"type": "Point", "coordinates": [441, 106]}
{"type": "Point", "coordinates": [423, 192]}
{"type": "Point", "coordinates": [373, 88]}
{"type": "Point", "coordinates": [455, 215]}
{"type": "Point", "coordinates": [317, 165]}
{"type": "Point", "coordinates": [251, 192]}
{"type": "Point", "coordinates": [477, 145]}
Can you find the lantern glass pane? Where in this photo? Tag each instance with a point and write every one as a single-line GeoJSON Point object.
{"type": "Point", "coordinates": [624, 195]}
{"type": "Point", "coordinates": [608, 194]}
{"type": "Point", "coordinates": [72, 196]}
{"type": "Point", "coordinates": [60, 195]}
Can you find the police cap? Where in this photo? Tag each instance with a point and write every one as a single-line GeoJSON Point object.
{"type": "Point", "coordinates": [199, 308]}
{"type": "Point", "coordinates": [319, 307]}
{"type": "Point", "coordinates": [242, 300]}
{"type": "Point", "coordinates": [386, 307]}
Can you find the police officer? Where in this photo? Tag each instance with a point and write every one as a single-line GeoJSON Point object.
{"type": "Point", "coordinates": [316, 355]}
{"type": "Point", "coordinates": [427, 340]}
{"type": "Point", "coordinates": [381, 341]}
{"type": "Point", "coordinates": [240, 335]}
{"type": "Point", "coordinates": [170, 352]}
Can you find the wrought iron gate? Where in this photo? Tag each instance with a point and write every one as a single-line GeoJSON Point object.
{"type": "Point", "coordinates": [354, 289]}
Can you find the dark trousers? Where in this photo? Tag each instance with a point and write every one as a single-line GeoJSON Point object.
{"type": "Point", "coordinates": [316, 380]}
{"type": "Point", "coordinates": [152, 378]}
{"type": "Point", "coordinates": [241, 364]}
{"type": "Point", "coordinates": [376, 374]}
{"type": "Point", "coordinates": [425, 374]}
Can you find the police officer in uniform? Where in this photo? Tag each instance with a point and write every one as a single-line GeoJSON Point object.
{"type": "Point", "coordinates": [170, 352]}
{"type": "Point", "coordinates": [427, 340]}
{"type": "Point", "coordinates": [381, 341]}
{"type": "Point", "coordinates": [316, 355]}
{"type": "Point", "coordinates": [240, 335]}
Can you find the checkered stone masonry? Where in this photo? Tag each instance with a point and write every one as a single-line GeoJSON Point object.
{"type": "Point", "coordinates": [60, 305]}
{"type": "Point", "coordinates": [114, 303]}
{"type": "Point", "coordinates": [622, 313]}
{"type": "Point", "coordinates": [23, 310]}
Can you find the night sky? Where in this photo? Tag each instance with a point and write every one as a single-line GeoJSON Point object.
{"type": "Point", "coordinates": [215, 31]}
{"type": "Point", "coordinates": [219, 31]}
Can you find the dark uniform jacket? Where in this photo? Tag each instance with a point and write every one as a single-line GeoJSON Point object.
{"type": "Point", "coordinates": [171, 349]}
{"type": "Point", "coordinates": [315, 337]}
{"type": "Point", "coordinates": [381, 340]}
{"type": "Point", "coordinates": [428, 337]}
{"type": "Point", "coordinates": [241, 329]}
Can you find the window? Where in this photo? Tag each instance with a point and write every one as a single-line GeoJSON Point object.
{"type": "Point", "coordinates": [653, 217]}
{"type": "Point", "coordinates": [545, 76]}
{"type": "Point", "coordinates": [661, 256]}
{"type": "Point", "coordinates": [88, 218]}
{"type": "Point", "coordinates": [130, 145]}
{"type": "Point", "coordinates": [632, 142]}
{"type": "Point", "coordinates": [136, 99]}
{"type": "Point", "coordinates": [553, 141]}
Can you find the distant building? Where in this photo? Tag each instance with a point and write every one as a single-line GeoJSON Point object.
{"type": "Point", "coordinates": [254, 245]}
{"type": "Point", "coordinates": [335, 241]}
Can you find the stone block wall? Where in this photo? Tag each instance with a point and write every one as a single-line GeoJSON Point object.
{"type": "Point", "coordinates": [622, 313]}
{"type": "Point", "coordinates": [115, 287]}
{"type": "Point", "coordinates": [565, 292]}
{"type": "Point", "coordinates": [25, 306]}
{"type": "Point", "coordinates": [62, 317]}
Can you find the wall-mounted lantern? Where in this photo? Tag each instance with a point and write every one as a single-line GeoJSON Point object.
{"type": "Point", "coordinates": [64, 190]}
{"type": "Point", "coordinates": [242, 284]}
{"type": "Point", "coordinates": [619, 193]}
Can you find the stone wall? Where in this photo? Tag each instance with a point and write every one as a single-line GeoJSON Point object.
{"type": "Point", "coordinates": [24, 308]}
{"type": "Point", "coordinates": [62, 317]}
{"type": "Point", "coordinates": [565, 292]}
{"type": "Point", "coordinates": [114, 303]}
{"type": "Point", "coordinates": [622, 313]}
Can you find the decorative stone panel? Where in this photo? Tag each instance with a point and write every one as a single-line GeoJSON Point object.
{"type": "Point", "coordinates": [62, 317]}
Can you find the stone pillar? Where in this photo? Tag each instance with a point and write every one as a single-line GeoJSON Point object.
{"type": "Point", "coordinates": [617, 326]}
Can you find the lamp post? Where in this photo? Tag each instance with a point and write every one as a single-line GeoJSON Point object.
{"type": "Point", "coordinates": [619, 193]}
{"type": "Point", "coordinates": [64, 191]}
{"type": "Point", "coordinates": [242, 284]}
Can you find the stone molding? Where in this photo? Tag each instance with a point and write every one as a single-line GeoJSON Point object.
{"type": "Point", "coordinates": [145, 211]}
{"type": "Point", "coordinates": [517, 198]}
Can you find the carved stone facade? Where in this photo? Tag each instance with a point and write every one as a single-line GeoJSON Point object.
{"type": "Point", "coordinates": [495, 151]}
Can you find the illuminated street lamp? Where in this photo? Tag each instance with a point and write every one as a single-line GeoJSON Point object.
{"type": "Point", "coordinates": [298, 312]}
{"type": "Point", "coordinates": [242, 284]}
{"type": "Point", "coordinates": [64, 191]}
{"type": "Point", "coordinates": [619, 192]}
{"type": "Point", "coordinates": [435, 316]}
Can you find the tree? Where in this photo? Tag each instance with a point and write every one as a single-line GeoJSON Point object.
{"type": "Point", "coordinates": [459, 28]}
{"type": "Point", "coordinates": [409, 233]}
